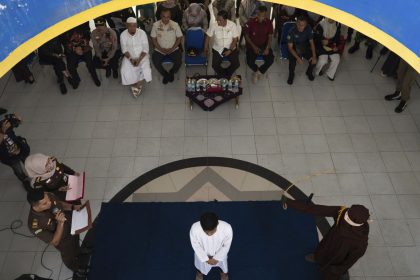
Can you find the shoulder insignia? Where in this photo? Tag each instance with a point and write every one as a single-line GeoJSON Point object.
{"type": "Point", "coordinates": [34, 223]}
{"type": "Point", "coordinates": [38, 231]}
{"type": "Point", "coordinates": [340, 213]}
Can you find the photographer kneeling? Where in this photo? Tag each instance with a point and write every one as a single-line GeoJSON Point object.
{"type": "Point", "coordinates": [13, 149]}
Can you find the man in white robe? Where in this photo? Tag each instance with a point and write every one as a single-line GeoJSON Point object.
{"type": "Point", "coordinates": [135, 68]}
{"type": "Point", "coordinates": [211, 240]}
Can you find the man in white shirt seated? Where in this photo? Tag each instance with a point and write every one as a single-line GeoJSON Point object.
{"type": "Point", "coordinates": [225, 41]}
{"type": "Point", "coordinates": [211, 240]}
{"type": "Point", "coordinates": [166, 36]}
{"type": "Point", "coordinates": [135, 68]}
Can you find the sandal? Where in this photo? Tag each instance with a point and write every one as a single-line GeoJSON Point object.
{"type": "Point", "coordinates": [135, 91]}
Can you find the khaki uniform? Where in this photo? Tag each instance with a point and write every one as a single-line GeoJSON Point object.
{"type": "Point", "coordinates": [43, 225]}
{"type": "Point", "coordinates": [57, 180]}
{"type": "Point", "coordinates": [406, 77]}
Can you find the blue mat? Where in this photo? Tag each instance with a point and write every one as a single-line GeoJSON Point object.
{"type": "Point", "coordinates": [150, 241]}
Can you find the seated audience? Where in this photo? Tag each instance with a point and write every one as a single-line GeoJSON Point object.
{"type": "Point", "coordinates": [301, 45]}
{"type": "Point", "coordinates": [195, 16]}
{"type": "Point", "coordinates": [282, 14]}
{"type": "Point", "coordinates": [13, 149]}
{"type": "Point", "coordinates": [117, 19]}
{"type": "Point", "coordinates": [147, 16]}
{"type": "Point", "coordinates": [166, 36]}
{"type": "Point", "coordinates": [54, 227]}
{"type": "Point", "coordinates": [258, 36]}
{"type": "Point", "coordinates": [225, 5]}
{"type": "Point", "coordinates": [313, 18]}
{"type": "Point", "coordinates": [248, 10]}
{"type": "Point", "coordinates": [48, 174]}
{"type": "Point", "coordinates": [52, 53]}
{"type": "Point", "coordinates": [330, 45]}
{"type": "Point", "coordinates": [225, 42]}
{"type": "Point", "coordinates": [173, 7]}
{"type": "Point", "coordinates": [406, 77]}
{"type": "Point", "coordinates": [135, 67]}
{"type": "Point", "coordinates": [371, 44]}
{"type": "Point", "coordinates": [21, 71]}
{"type": "Point", "coordinates": [77, 47]}
{"type": "Point", "coordinates": [105, 44]}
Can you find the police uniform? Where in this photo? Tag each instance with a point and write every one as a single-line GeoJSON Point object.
{"type": "Point", "coordinates": [43, 225]}
{"type": "Point", "coordinates": [57, 180]}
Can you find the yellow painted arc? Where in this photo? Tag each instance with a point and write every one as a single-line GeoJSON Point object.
{"type": "Point", "coordinates": [311, 5]}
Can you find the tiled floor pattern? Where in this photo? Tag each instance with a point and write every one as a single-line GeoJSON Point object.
{"type": "Point", "coordinates": [292, 130]}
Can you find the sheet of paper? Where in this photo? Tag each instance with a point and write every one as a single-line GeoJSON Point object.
{"type": "Point", "coordinates": [77, 187]}
{"type": "Point", "coordinates": [81, 220]}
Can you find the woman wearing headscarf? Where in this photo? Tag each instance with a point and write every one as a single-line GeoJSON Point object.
{"type": "Point", "coordinates": [329, 44]}
{"type": "Point", "coordinates": [172, 5]}
{"type": "Point", "coordinates": [49, 174]}
{"type": "Point", "coordinates": [195, 16]}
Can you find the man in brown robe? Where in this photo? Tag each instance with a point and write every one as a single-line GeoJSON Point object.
{"type": "Point", "coordinates": [345, 242]}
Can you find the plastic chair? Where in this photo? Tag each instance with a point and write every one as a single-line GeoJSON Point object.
{"type": "Point", "coordinates": [194, 39]}
{"type": "Point", "coordinates": [284, 51]}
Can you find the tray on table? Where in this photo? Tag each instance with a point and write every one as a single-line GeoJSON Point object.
{"type": "Point", "coordinates": [208, 100]}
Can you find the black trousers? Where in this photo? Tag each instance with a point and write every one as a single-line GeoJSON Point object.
{"type": "Point", "coordinates": [58, 65]}
{"type": "Point", "coordinates": [175, 57]}
{"type": "Point", "coordinates": [70, 249]}
{"type": "Point", "coordinates": [112, 65]}
{"type": "Point", "coordinates": [292, 62]}
{"type": "Point", "coordinates": [250, 60]}
{"type": "Point", "coordinates": [73, 60]}
{"type": "Point", "coordinates": [217, 64]}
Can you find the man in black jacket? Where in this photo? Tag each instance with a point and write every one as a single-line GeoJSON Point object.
{"type": "Point", "coordinates": [13, 149]}
{"type": "Point", "coordinates": [52, 53]}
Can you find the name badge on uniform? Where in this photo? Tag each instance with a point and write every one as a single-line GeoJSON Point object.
{"type": "Point", "coordinates": [38, 231]}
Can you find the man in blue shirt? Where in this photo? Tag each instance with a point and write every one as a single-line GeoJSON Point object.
{"type": "Point", "coordinates": [301, 45]}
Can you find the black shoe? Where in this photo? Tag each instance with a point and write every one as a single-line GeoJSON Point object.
{"type": "Point", "coordinates": [290, 79]}
{"type": "Point", "coordinates": [395, 96]}
{"type": "Point", "coordinates": [97, 82]}
{"type": "Point", "coordinates": [63, 88]}
{"type": "Point", "coordinates": [171, 77]}
{"type": "Point", "coordinates": [321, 73]}
{"type": "Point", "coordinates": [73, 83]}
{"type": "Point", "coordinates": [354, 48]}
{"type": "Point", "coordinates": [369, 52]}
{"type": "Point", "coordinates": [310, 75]}
{"type": "Point", "coordinates": [401, 107]}
{"type": "Point", "coordinates": [3, 111]}
{"type": "Point", "coordinates": [115, 74]}
{"type": "Point", "coordinates": [108, 73]}
{"type": "Point", "coordinates": [165, 79]}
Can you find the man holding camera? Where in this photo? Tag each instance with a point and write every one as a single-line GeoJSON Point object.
{"type": "Point", "coordinates": [105, 44]}
{"type": "Point", "coordinates": [13, 149]}
{"type": "Point", "coordinates": [258, 36]}
{"type": "Point", "coordinates": [50, 220]}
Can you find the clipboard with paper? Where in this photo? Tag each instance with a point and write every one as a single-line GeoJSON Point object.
{"type": "Point", "coordinates": [76, 187]}
{"type": "Point", "coordinates": [81, 220]}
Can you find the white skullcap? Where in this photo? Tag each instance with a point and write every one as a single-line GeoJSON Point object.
{"type": "Point", "coordinates": [131, 20]}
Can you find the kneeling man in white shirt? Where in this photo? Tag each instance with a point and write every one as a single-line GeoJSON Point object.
{"type": "Point", "coordinates": [211, 240]}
